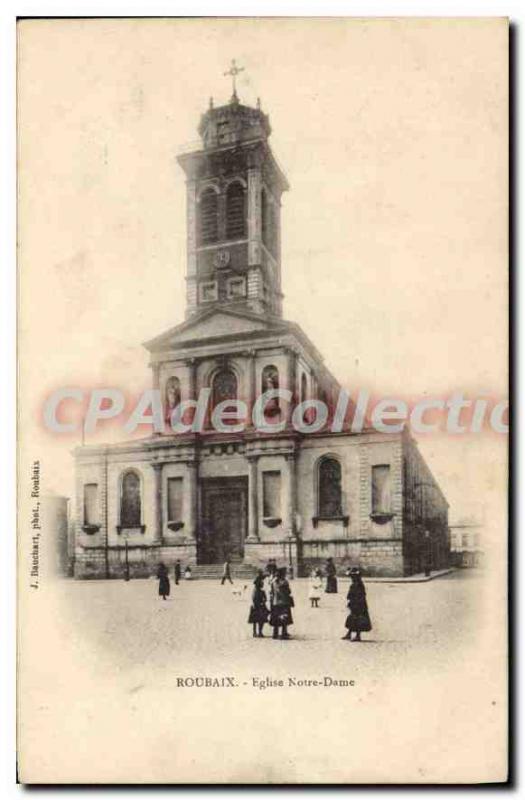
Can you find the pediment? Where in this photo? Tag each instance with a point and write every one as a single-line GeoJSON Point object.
{"type": "Point", "coordinates": [220, 324]}
{"type": "Point", "coordinates": [214, 325]}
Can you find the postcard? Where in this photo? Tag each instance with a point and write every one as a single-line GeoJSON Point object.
{"type": "Point", "coordinates": [263, 400]}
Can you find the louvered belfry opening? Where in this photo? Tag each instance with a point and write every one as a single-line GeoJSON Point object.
{"type": "Point", "coordinates": [264, 217]}
{"type": "Point", "coordinates": [208, 217]}
{"type": "Point", "coordinates": [235, 211]}
{"type": "Point", "coordinates": [268, 223]}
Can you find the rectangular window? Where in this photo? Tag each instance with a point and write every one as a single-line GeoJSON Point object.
{"type": "Point", "coordinates": [91, 504]}
{"type": "Point", "coordinates": [236, 287]}
{"type": "Point", "coordinates": [208, 292]}
{"type": "Point", "coordinates": [381, 494]}
{"type": "Point", "coordinates": [174, 499]}
{"type": "Point", "coordinates": [465, 540]}
{"type": "Point", "coordinates": [272, 494]}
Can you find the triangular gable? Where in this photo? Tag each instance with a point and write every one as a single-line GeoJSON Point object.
{"type": "Point", "coordinates": [212, 324]}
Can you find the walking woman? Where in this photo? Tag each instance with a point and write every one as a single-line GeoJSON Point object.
{"type": "Point", "coordinates": [164, 581]}
{"type": "Point", "coordinates": [331, 577]}
{"type": "Point", "coordinates": [258, 610]}
{"type": "Point", "coordinates": [282, 603]}
{"type": "Point", "coordinates": [358, 620]}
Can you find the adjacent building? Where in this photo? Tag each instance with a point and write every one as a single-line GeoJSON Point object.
{"type": "Point", "coordinates": [466, 543]}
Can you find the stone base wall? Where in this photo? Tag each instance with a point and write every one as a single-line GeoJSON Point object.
{"type": "Point", "coordinates": [375, 557]}
{"type": "Point", "coordinates": [142, 562]}
{"type": "Point", "coordinates": [259, 553]}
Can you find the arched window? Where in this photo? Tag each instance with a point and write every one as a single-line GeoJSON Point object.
{"type": "Point", "coordinates": [172, 397]}
{"type": "Point", "coordinates": [224, 386]}
{"type": "Point", "coordinates": [269, 381]}
{"type": "Point", "coordinates": [329, 488]}
{"type": "Point", "coordinates": [208, 217]}
{"type": "Point", "coordinates": [235, 211]}
{"type": "Point", "coordinates": [130, 501]}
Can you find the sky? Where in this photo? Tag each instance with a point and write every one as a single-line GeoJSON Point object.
{"type": "Point", "coordinates": [393, 136]}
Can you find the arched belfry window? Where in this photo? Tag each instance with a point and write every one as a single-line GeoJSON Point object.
{"type": "Point", "coordinates": [264, 218]}
{"type": "Point", "coordinates": [130, 500]}
{"type": "Point", "coordinates": [268, 222]}
{"type": "Point", "coordinates": [208, 217]}
{"type": "Point", "coordinates": [235, 211]}
{"type": "Point", "coordinates": [329, 498]}
{"type": "Point", "coordinates": [270, 381]}
{"type": "Point", "coordinates": [224, 386]}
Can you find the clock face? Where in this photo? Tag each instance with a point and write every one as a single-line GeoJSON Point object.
{"type": "Point", "coordinates": [221, 259]}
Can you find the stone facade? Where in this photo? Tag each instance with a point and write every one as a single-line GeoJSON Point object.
{"type": "Point", "coordinates": [250, 495]}
{"type": "Point", "coordinates": [296, 535]}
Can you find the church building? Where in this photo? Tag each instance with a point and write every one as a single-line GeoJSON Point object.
{"type": "Point", "coordinates": [366, 499]}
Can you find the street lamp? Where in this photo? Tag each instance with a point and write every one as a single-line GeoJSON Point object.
{"type": "Point", "coordinates": [126, 569]}
{"type": "Point", "coordinates": [290, 560]}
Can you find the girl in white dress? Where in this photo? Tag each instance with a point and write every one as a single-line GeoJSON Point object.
{"type": "Point", "coordinates": [315, 589]}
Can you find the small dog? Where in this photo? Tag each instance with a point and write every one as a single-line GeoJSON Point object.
{"type": "Point", "coordinates": [238, 591]}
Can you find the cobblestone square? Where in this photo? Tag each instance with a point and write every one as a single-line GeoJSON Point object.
{"type": "Point", "coordinates": [122, 665]}
{"type": "Point", "coordinates": [203, 625]}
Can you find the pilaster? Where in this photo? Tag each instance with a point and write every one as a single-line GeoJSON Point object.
{"type": "Point", "coordinates": [253, 499]}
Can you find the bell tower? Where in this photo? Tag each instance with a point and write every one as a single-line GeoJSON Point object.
{"type": "Point", "coordinates": [233, 194]}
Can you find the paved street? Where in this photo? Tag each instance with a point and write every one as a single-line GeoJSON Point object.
{"type": "Point", "coordinates": [110, 669]}
{"type": "Point", "coordinates": [204, 625]}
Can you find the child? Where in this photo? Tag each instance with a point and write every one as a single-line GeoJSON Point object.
{"type": "Point", "coordinates": [316, 587]}
{"type": "Point", "coordinates": [187, 573]}
{"type": "Point", "coordinates": [282, 603]}
{"type": "Point", "coordinates": [258, 610]}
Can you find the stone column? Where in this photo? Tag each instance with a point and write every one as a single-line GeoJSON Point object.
{"type": "Point", "coordinates": [157, 469]}
{"type": "Point", "coordinates": [252, 385]}
{"type": "Point", "coordinates": [291, 381]}
{"type": "Point", "coordinates": [253, 500]}
{"type": "Point", "coordinates": [155, 368]}
{"type": "Point", "coordinates": [191, 363]}
{"type": "Point", "coordinates": [254, 215]}
{"type": "Point", "coordinates": [193, 499]}
{"type": "Point", "coordinates": [191, 233]}
{"type": "Point", "coordinates": [291, 508]}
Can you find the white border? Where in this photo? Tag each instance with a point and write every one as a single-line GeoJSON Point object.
{"type": "Point", "coordinates": [9, 10]}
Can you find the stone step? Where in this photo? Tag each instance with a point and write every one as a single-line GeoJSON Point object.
{"type": "Point", "coordinates": [214, 571]}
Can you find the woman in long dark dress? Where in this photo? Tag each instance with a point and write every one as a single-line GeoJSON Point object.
{"type": "Point", "coordinates": [258, 610]}
{"type": "Point", "coordinates": [281, 605]}
{"type": "Point", "coordinates": [331, 577]}
{"type": "Point", "coordinates": [164, 581]}
{"type": "Point", "coordinates": [358, 620]}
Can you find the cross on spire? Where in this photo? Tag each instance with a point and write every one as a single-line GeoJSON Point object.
{"type": "Point", "coordinates": [234, 71]}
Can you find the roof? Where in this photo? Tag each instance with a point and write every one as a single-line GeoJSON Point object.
{"type": "Point", "coordinates": [225, 325]}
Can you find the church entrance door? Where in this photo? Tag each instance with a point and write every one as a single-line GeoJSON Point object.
{"type": "Point", "coordinates": [224, 520]}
